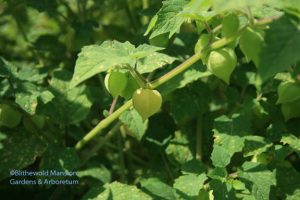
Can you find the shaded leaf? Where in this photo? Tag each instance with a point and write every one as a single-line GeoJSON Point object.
{"type": "Point", "coordinates": [281, 47]}
{"type": "Point", "coordinates": [20, 149]}
{"type": "Point", "coordinates": [157, 189]}
{"type": "Point", "coordinates": [261, 179]}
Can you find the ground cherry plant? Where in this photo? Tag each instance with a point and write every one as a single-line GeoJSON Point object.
{"type": "Point", "coordinates": [141, 100]}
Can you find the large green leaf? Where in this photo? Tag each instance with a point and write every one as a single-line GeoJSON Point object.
{"type": "Point", "coordinates": [188, 186]}
{"type": "Point", "coordinates": [69, 105]}
{"type": "Point", "coordinates": [94, 59]}
{"type": "Point", "coordinates": [255, 145]}
{"type": "Point", "coordinates": [261, 178]}
{"type": "Point", "coordinates": [169, 19]}
{"type": "Point", "coordinates": [229, 138]}
{"type": "Point", "coordinates": [120, 191]}
{"type": "Point", "coordinates": [158, 189]}
{"type": "Point", "coordinates": [20, 149]}
{"type": "Point", "coordinates": [292, 141]}
{"type": "Point", "coordinates": [59, 159]}
{"type": "Point", "coordinates": [189, 102]}
{"type": "Point", "coordinates": [100, 173]}
{"type": "Point", "coordinates": [288, 180]}
{"type": "Point", "coordinates": [28, 94]}
{"type": "Point", "coordinates": [222, 190]}
{"type": "Point", "coordinates": [281, 48]}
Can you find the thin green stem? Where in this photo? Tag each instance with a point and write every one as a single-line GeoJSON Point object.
{"type": "Point", "coordinates": [145, 6]}
{"type": "Point", "coordinates": [103, 124]}
{"type": "Point", "coordinates": [182, 67]}
{"type": "Point", "coordinates": [138, 77]}
{"type": "Point", "coordinates": [131, 17]}
{"type": "Point", "coordinates": [129, 154]}
{"type": "Point", "coordinates": [199, 136]}
{"type": "Point", "coordinates": [101, 143]}
{"type": "Point", "coordinates": [168, 169]}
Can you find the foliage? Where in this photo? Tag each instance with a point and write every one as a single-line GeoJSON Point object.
{"type": "Point", "coordinates": [163, 100]}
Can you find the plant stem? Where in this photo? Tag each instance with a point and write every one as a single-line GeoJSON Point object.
{"type": "Point", "coordinates": [145, 6]}
{"type": "Point", "coordinates": [138, 77]}
{"type": "Point", "coordinates": [103, 124]}
{"type": "Point", "coordinates": [131, 17]}
{"type": "Point", "coordinates": [101, 143]}
{"type": "Point", "coordinates": [199, 138]}
{"type": "Point", "coordinates": [168, 169]}
{"type": "Point", "coordinates": [182, 67]}
{"type": "Point", "coordinates": [113, 105]}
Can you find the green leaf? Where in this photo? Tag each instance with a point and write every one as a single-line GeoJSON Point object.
{"type": "Point", "coordinates": [220, 156]}
{"type": "Point", "coordinates": [221, 190]}
{"type": "Point", "coordinates": [20, 149]}
{"type": "Point", "coordinates": [193, 167]}
{"type": "Point", "coordinates": [229, 139]}
{"type": "Point", "coordinates": [158, 189]}
{"type": "Point", "coordinates": [28, 95]}
{"type": "Point", "coordinates": [100, 173]}
{"type": "Point", "coordinates": [5, 68]}
{"type": "Point", "coordinates": [119, 191]}
{"type": "Point", "coordinates": [218, 173]}
{"type": "Point", "coordinates": [60, 159]}
{"type": "Point", "coordinates": [237, 125]}
{"type": "Point", "coordinates": [255, 145]}
{"type": "Point", "coordinates": [189, 102]}
{"type": "Point", "coordinates": [281, 49]}
{"type": "Point", "coordinates": [198, 10]}
{"type": "Point", "coordinates": [292, 141]}
{"type": "Point", "coordinates": [153, 61]}
{"type": "Point", "coordinates": [288, 92]}
{"type": "Point", "coordinates": [178, 148]}
{"type": "Point", "coordinates": [30, 73]}
{"type": "Point", "coordinates": [289, 6]}
{"type": "Point", "coordinates": [144, 50]}
{"type": "Point", "coordinates": [256, 38]}
{"type": "Point", "coordinates": [169, 19]}
{"type": "Point", "coordinates": [188, 186]}
{"type": "Point", "coordinates": [134, 123]}
{"type": "Point", "coordinates": [288, 181]}
{"type": "Point", "coordinates": [190, 75]}
{"type": "Point", "coordinates": [291, 110]}
{"type": "Point", "coordinates": [261, 179]}
{"type": "Point", "coordinates": [94, 59]}
{"type": "Point", "coordinates": [69, 105]}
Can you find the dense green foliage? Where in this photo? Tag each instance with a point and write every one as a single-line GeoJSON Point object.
{"type": "Point", "coordinates": [215, 112]}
